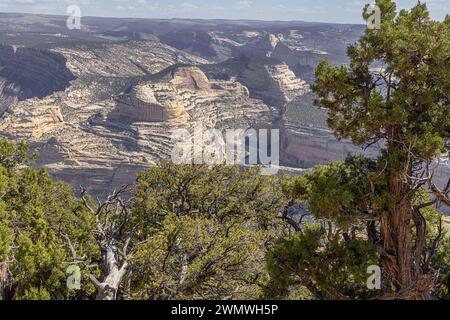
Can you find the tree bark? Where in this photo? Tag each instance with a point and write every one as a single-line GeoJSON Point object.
{"type": "Point", "coordinates": [109, 287]}
{"type": "Point", "coordinates": [401, 259]}
{"type": "Point", "coordinates": [3, 280]}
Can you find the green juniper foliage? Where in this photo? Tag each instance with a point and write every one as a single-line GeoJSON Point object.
{"type": "Point", "coordinates": [208, 231]}
{"type": "Point", "coordinates": [198, 232]}
{"type": "Point", "coordinates": [394, 92]}
{"type": "Point", "coordinates": [35, 211]}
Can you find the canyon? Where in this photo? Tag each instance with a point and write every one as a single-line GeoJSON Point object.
{"type": "Point", "coordinates": [101, 104]}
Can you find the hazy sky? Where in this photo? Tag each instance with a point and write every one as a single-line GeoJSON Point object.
{"type": "Point", "coordinates": [345, 11]}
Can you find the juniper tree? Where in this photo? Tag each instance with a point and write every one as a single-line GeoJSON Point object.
{"type": "Point", "coordinates": [395, 92]}
{"type": "Point", "coordinates": [35, 211]}
{"type": "Point", "coordinates": [337, 240]}
{"type": "Point", "coordinates": [207, 232]}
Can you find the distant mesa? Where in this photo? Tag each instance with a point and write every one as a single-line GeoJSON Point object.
{"type": "Point", "coordinates": [167, 97]}
{"type": "Point", "coordinates": [190, 78]}
{"type": "Point", "coordinates": [265, 78]}
{"type": "Point", "coordinates": [159, 101]}
{"type": "Point", "coordinates": [146, 103]}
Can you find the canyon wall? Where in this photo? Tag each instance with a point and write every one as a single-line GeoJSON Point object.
{"type": "Point", "coordinates": [32, 73]}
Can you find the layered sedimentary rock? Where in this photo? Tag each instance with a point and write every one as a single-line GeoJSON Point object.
{"type": "Point", "coordinates": [185, 96]}
{"type": "Point", "coordinates": [289, 85]}
{"type": "Point", "coordinates": [211, 45]}
{"type": "Point", "coordinates": [101, 105]}
{"type": "Point", "coordinates": [101, 131]}
{"type": "Point", "coordinates": [62, 125]}
{"type": "Point", "coordinates": [307, 140]}
{"type": "Point", "coordinates": [27, 73]}
{"type": "Point", "coordinates": [33, 122]}
{"type": "Point", "coordinates": [8, 95]}
{"type": "Point", "coordinates": [149, 102]}
{"type": "Point", "coordinates": [189, 78]}
{"type": "Point", "coordinates": [117, 117]}
{"type": "Point", "coordinates": [126, 59]}
{"type": "Point", "coordinates": [33, 72]}
{"type": "Point", "coordinates": [266, 79]}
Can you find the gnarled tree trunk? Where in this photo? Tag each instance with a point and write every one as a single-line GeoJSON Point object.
{"type": "Point", "coordinates": [108, 288]}
{"type": "Point", "coordinates": [402, 253]}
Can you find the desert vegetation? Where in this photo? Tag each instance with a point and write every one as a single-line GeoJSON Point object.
{"type": "Point", "coordinates": [198, 232]}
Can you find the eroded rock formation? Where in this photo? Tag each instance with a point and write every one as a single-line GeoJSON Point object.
{"type": "Point", "coordinates": [102, 130]}
{"type": "Point", "coordinates": [32, 73]}
{"type": "Point", "coordinates": [266, 79]}
{"type": "Point", "coordinates": [101, 104]}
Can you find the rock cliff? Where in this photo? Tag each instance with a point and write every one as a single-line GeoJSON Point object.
{"type": "Point", "coordinates": [27, 73]}
{"type": "Point", "coordinates": [103, 129]}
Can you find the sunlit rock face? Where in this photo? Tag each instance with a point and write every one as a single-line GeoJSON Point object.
{"type": "Point", "coordinates": [118, 115]}
{"type": "Point", "coordinates": [124, 59]}
{"type": "Point", "coordinates": [175, 94]}
{"type": "Point", "coordinates": [267, 79]}
{"type": "Point", "coordinates": [103, 129]}
{"type": "Point", "coordinates": [80, 150]}
{"type": "Point", "coordinates": [35, 124]}
{"type": "Point", "coordinates": [287, 83]}
{"type": "Point", "coordinates": [139, 132]}
{"type": "Point", "coordinates": [101, 104]}
{"type": "Point", "coordinates": [149, 102]}
{"type": "Point", "coordinates": [189, 78]}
